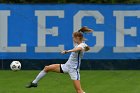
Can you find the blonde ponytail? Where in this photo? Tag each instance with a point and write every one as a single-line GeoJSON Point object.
{"type": "Point", "coordinates": [81, 31]}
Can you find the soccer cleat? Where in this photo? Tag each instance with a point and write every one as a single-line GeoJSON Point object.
{"type": "Point", "coordinates": [31, 85]}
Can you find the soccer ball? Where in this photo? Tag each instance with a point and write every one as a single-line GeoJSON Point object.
{"type": "Point", "coordinates": [15, 65]}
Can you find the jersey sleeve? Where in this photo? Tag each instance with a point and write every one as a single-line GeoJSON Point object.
{"type": "Point", "coordinates": [82, 45]}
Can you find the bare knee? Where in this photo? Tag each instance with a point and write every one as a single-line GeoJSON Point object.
{"type": "Point", "coordinates": [46, 69]}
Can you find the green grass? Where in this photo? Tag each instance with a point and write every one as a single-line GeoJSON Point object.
{"type": "Point", "coordinates": [100, 81]}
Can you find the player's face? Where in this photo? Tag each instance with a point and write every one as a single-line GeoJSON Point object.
{"type": "Point", "coordinates": [76, 39]}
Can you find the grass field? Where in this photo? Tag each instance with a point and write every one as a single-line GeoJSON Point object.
{"type": "Point", "coordinates": [100, 81]}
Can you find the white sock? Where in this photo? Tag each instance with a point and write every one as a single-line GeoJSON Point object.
{"type": "Point", "coordinates": [39, 76]}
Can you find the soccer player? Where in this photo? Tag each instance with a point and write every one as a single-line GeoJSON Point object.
{"type": "Point", "coordinates": [72, 66]}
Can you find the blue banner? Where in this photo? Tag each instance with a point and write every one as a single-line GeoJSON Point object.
{"type": "Point", "coordinates": [42, 31]}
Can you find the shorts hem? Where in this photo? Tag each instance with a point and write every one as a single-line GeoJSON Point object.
{"type": "Point", "coordinates": [61, 71]}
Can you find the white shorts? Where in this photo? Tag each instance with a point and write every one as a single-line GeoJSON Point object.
{"type": "Point", "coordinates": [74, 73]}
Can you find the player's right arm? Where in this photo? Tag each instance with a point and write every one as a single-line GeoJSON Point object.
{"type": "Point", "coordinates": [80, 48]}
{"type": "Point", "coordinates": [72, 50]}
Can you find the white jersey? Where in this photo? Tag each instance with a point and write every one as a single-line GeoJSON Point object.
{"type": "Point", "coordinates": [74, 60]}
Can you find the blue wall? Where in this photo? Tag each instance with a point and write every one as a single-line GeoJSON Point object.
{"type": "Point", "coordinates": [24, 26]}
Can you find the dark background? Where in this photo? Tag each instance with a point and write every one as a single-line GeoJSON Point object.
{"type": "Point", "coordinates": [34, 64]}
{"type": "Point", "coordinates": [72, 1]}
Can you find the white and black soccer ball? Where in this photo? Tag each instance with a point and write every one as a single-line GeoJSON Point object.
{"type": "Point", "coordinates": [15, 65]}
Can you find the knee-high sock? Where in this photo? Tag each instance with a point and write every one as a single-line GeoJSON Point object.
{"type": "Point", "coordinates": [39, 76]}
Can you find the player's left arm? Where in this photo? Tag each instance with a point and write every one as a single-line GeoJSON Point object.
{"type": "Point", "coordinates": [87, 48]}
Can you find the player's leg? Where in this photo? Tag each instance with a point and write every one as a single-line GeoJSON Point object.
{"type": "Point", "coordinates": [77, 86]}
{"type": "Point", "coordinates": [75, 76]}
{"type": "Point", "coordinates": [50, 68]}
{"type": "Point", "coordinates": [53, 68]}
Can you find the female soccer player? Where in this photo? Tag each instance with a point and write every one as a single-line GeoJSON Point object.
{"type": "Point", "coordinates": [72, 66]}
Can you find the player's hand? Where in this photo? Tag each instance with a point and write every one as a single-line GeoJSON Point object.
{"type": "Point", "coordinates": [64, 52]}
